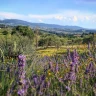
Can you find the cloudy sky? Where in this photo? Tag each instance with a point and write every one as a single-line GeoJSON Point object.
{"type": "Point", "coordinates": [63, 12]}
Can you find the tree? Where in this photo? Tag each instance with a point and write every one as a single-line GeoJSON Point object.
{"type": "Point", "coordinates": [87, 40]}
{"type": "Point", "coordinates": [24, 31]}
{"type": "Point", "coordinates": [57, 42]}
{"type": "Point", "coordinates": [50, 40]}
{"type": "Point", "coordinates": [5, 32]}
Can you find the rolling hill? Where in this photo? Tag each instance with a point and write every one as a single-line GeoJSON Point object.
{"type": "Point", "coordinates": [15, 22]}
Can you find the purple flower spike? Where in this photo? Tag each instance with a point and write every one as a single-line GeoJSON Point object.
{"type": "Point", "coordinates": [21, 60]}
{"type": "Point", "coordinates": [72, 76]}
{"type": "Point", "coordinates": [73, 57]}
{"type": "Point", "coordinates": [75, 53]}
{"type": "Point", "coordinates": [35, 79]}
{"type": "Point", "coordinates": [57, 67]}
{"type": "Point", "coordinates": [43, 77]}
{"type": "Point", "coordinates": [68, 88]}
{"type": "Point", "coordinates": [21, 92]}
{"type": "Point", "coordinates": [21, 76]}
{"type": "Point", "coordinates": [89, 68]}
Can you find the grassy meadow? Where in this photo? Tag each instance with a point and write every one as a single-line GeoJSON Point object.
{"type": "Point", "coordinates": [52, 50]}
{"type": "Point", "coordinates": [42, 64]}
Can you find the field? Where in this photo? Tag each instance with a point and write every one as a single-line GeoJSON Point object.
{"type": "Point", "coordinates": [52, 75]}
{"type": "Point", "coordinates": [30, 70]}
{"type": "Point", "coordinates": [52, 50]}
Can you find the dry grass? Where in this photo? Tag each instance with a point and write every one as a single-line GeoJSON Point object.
{"type": "Point", "coordinates": [52, 50]}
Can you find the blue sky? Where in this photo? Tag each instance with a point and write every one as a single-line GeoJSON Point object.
{"type": "Point", "coordinates": [63, 12]}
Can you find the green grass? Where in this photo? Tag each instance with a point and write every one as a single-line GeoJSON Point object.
{"type": "Point", "coordinates": [52, 50]}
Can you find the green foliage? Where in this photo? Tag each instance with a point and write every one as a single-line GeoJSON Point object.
{"type": "Point", "coordinates": [50, 40]}
{"type": "Point", "coordinates": [2, 26]}
{"type": "Point", "coordinates": [24, 31]}
{"type": "Point", "coordinates": [86, 40]}
{"type": "Point", "coordinates": [1, 55]}
{"type": "Point", "coordinates": [21, 40]}
{"type": "Point", "coordinates": [5, 32]}
{"type": "Point", "coordinates": [12, 45]}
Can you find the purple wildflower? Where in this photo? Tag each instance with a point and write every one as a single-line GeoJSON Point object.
{"type": "Point", "coordinates": [43, 77]}
{"type": "Point", "coordinates": [68, 88]}
{"type": "Point", "coordinates": [73, 57]}
{"type": "Point", "coordinates": [21, 92]}
{"type": "Point", "coordinates": [21, 76]}
{"type": "Point", "coordinates": [35, 79]}
{"type": "Point", "coordinates": [72, 66]}
{"type": "Point", "coordinates": [21, 60]}
{"type": "Point", "coordinates": [72, 76]}
{"type": "Point", "coordinates": [57, 67]}
{"type": "Point", "coordinates": [89, 68]}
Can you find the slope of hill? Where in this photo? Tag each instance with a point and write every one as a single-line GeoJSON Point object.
{"type": "Point", "coordinates": [15, 22]}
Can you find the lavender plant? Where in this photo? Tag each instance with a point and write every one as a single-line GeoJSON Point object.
{"type": "Point", "coordinates": [22, 81]}
{"type": "Point", "coordinates": [71, 74]}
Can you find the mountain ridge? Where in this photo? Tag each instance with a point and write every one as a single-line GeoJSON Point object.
{"type": "Point", "coordinates": [15, 22]}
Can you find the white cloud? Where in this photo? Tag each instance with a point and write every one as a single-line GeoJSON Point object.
{"type": "Point", "coordinates": [9, 15]}
{"type": "Point", "coordinates": [64, 15]}
{"type": "Point", "coordinates": [87, 17]}
{"type": "Point", "coordinates": [58, 17]}
{"type": "Point", "coordinates": [40, 20]}
{"type": "Point", "coordinates": [75, 18]}
{"type": "Point", "coordinates": [49, 16]}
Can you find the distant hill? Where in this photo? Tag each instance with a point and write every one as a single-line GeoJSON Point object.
{"type": "Point", "coordinates": [15, 22]}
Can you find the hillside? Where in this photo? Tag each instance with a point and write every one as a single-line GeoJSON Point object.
{"type": "Point", "coordinates": [15, 22]}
